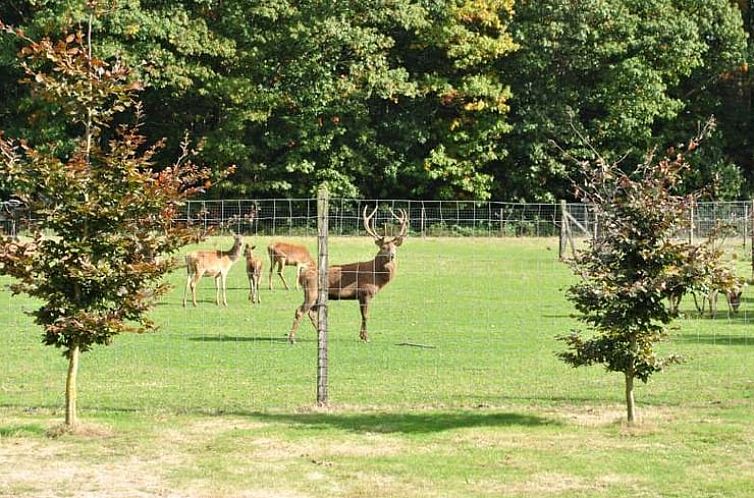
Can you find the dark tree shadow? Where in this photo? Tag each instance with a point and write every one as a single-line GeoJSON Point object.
{"type": "Point", "coordinates": [405, 423]}
{"type": "Point", "coordinates": [229, 338]}
{"type": "Point", "coordinates": [716, 339]}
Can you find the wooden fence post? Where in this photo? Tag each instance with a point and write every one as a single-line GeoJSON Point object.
{"type": "Point", "coordinates": [322, 250]}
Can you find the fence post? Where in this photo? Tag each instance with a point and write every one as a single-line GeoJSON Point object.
{"type": "Point", "coordinates": [563, 230]}
{"type": "Point", "coordinates": [752, 238]}
{"type": "Point", "coordinates": [691, 227]}
{"type": "Point", "coordinates": [423, 216]}
{"type": "Point", "coordinates": [746, 223]}
{"type": "Point", "coordinates": [322, 246]}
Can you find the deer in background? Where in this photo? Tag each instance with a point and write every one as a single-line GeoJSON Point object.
{"type": "Point", "coordinates": [212, 264]}
{"type": "Point", "coordinates": [283, 254]}
{"type": "Point", "coordinates": [254, 272]}
{"type": "Point", "coordinates": [360, 281]}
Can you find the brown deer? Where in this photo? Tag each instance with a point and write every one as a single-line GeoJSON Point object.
{"type": "Point", "coordinates": [360, 281]}
{"type": "Point", "coordinates": [284, 254]}
{"type": "Point", "coordinates": [254, 272]}
{"type": "Point", "coordinates": [212, 264]}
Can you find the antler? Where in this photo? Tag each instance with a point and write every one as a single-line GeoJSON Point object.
{"type": "Point", "coordinates": [403, 220]}
{"type": "Point", "coordinates": [370, 220]}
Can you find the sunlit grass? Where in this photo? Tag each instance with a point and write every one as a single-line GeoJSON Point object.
{"type": "Point", "coordinates": [460, 384]}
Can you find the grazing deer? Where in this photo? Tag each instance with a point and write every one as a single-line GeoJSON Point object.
{"type": "Point", "coordinates": [360, 281]}
{"type": "Point", "coordinates": [254, 272]}
{"type": "Point", "coordinates": [732, 297]}
{"type": "Point", "coordinates": [283, 254]}
{"type": "Point", "coordinates": [212, 264]}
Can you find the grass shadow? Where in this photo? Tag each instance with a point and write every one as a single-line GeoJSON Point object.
{"type": "Point", "coordinates": [405, 423]}
{"type": "Point", "coordinates": [715, 339]}
{"type": "Point", "coordinates": [230, 338]}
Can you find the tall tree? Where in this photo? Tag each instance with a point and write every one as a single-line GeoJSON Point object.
{"type": "Point", "coordinates": [627, 74]}
{"type": "Point", "coordinates": [375, 98]}
{"type": "Point", "coordinates": [108, 217]}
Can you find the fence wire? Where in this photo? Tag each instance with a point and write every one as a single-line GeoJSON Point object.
{"type": "Point", "coordinates": [467, 321]}
{"type": "Point", "coordinates": [296, 217]}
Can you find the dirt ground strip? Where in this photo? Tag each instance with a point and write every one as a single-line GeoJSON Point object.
{"type": "Point", "coordinates": [167, 461]}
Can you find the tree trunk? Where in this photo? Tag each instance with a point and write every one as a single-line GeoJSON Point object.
{"type": "Point", "coordinates": [70, 386]}
{"type": "Point", "coordinates": [630, 405]}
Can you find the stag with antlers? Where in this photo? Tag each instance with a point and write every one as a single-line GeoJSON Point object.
{"type": "Point", "coordinates": [360, 281]}
{"type": "Point", "coordinates": [212, 264]}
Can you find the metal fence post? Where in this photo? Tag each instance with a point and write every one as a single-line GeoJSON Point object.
{"type": "Point", "coordinates": [322, 249]}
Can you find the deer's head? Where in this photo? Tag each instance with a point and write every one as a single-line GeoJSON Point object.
{"type": "Point", "coordinates": [386, 244]}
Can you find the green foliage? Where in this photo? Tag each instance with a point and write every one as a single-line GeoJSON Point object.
{"type": "Point", "coordinates": [412, 98]}
{"type": "Point", "coordinates": [627, 74]}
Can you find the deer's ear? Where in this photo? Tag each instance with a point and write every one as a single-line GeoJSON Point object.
{"type": "Point", "coordinates": [398, 241]}
{"type": "Point", "coordinates": [252, 247]}
{"type": "Point", "coordinates": [379, 242]}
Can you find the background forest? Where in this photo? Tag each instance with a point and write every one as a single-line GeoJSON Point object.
{"type": "Point", "coordinates": [472, 99]}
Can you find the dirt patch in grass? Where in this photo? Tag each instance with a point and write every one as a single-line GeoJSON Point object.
{"type": "Point", "coordinates": [94, 460]}
{"type": "Point", "coordinates": [608, 415]}
{"type": "Point", "coordinates": [553, 483]}
{"type": "Point", "coordinates": [81, 430]}
{"type": "Point", "coordinates": [46, 468]}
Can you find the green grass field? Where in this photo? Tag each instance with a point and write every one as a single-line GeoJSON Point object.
{"type": "Point", "coordinates": [459, 393]}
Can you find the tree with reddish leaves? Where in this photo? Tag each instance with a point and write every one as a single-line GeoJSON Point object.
{"type": "Point", "coordinates": [634, 266]}
{"type": "Point", "coordinates": [103, 218]}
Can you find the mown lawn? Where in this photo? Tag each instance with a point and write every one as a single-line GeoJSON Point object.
{"type": "Point", "coordinates": [459, 393]}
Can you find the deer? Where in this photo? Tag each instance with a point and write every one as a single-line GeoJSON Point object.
{"type": "Point", "coordinates": [211, 263]}
{"type": "Point", "coordinates": [284, 254]}
{"type": "Point", "coordinates": [355, 281]}
{"type": "Point", "coordinates": [254, 272]}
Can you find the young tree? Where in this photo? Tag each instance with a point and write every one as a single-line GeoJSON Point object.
{"type": "Point", "coordinates": [107, 215]}
{"type": "Point", "coordinates": [632, 267]}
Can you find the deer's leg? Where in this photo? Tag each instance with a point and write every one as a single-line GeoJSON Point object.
{"type": "Point", "coordinates": [364, 307]}
{"type": "Point", "coordinates": [224, 282]}
{"type": "Point", "coordinates": [217, 289]}
{"type": "Point", "coordinates": [300, 311]}
{"type": "Point", "coordinates": [313, 318]}
{"type": "Point", "coordinates": [306, 308]}
{"type": "Point", "coordinates": [272, 269]}
{"type": "Point", "coordinates": [194, 281]}
{"type": "Point", "coordinates": [251, 287]}
{"type": "Point", "coordinates": [186, 288]}
{"type": "Point", "coordinates": [256, 288]}
{"type": "Point", "coordinates": [299, 271]}
{"type": "Point", "coordinates": [674, 301]}
{"type": "Point", "coordinates": [281, 267]}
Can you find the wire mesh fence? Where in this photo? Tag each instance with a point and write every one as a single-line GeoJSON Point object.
{"type": "Point", "coordinates": [293, 217]}
{"type": "Point", "coordinates": [469, 321]}
{"type": "Point", "coordinates": [428, 218]}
